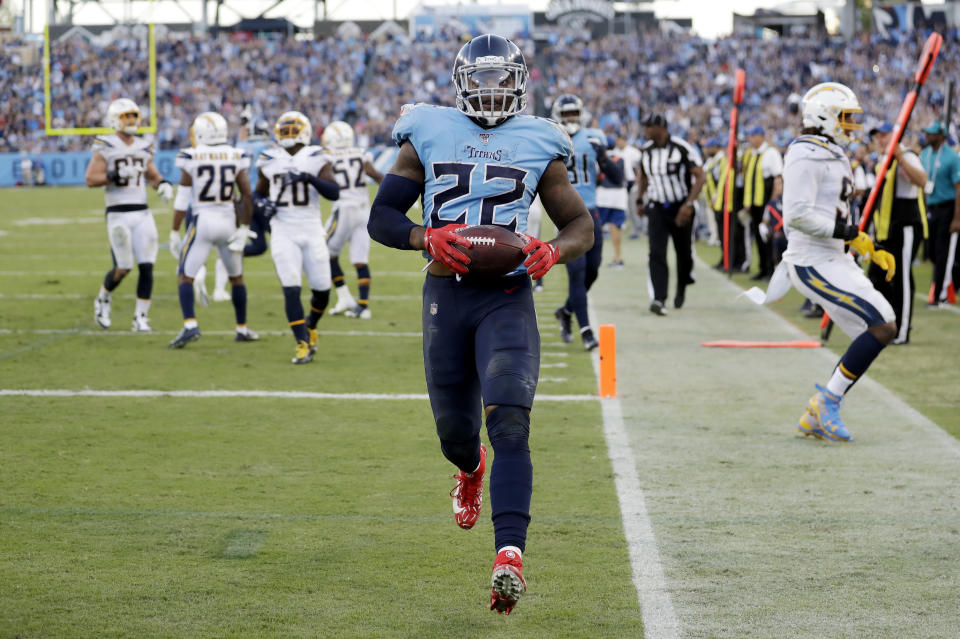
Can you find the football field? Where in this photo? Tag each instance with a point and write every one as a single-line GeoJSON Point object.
{"type": "Point", "coordinates": [220, 491]}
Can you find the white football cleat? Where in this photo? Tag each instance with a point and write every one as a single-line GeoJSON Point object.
{"type": "Point", "coordinates": [101, 311]}
{"type": "Point", "coordinates": [141, 324]}
{"type": "Point", "coordinates": [221, 295]}
{"type": "Point", "coordinates": [344, 303]}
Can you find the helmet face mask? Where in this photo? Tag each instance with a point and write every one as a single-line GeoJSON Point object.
{"type": "Point", "coordinates": [490, 77]}
{"type": "Point", "coordinates": [209, 128]}
{"type": "Point", "coordinates": [123, 116]}
{"type": "Point", "coordinates": [567, 109]}
{"type": "Point", "coordinates": [337, 135]}
{"type": "Point", "coordinates": [834, 110]}
{"type": "Point", "coordinates": [292, 128]}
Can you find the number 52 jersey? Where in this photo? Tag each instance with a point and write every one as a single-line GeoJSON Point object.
{"type": "Point", "coordinates": [476, 175]}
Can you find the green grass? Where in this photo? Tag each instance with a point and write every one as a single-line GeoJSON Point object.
{"type": "Point", "coordinates": [922, 372]}
{"type": "Point", "coordinates": [264, 517]}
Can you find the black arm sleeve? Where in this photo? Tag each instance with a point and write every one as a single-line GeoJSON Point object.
{"type": "Point", "coordinates": [329, 190]}
{"type": "Point", "coordinates": [389, 223]}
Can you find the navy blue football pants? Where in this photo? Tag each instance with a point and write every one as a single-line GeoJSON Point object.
{"type": "Point", "coordinates": [481, 347]}
{"type": "Point", "coordinates": [582, 273]}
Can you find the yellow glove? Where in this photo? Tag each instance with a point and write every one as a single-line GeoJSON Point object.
{"type": "Point", "coordinates": [886, 261]}
{"type": "Point", "coordinates": [863, 245]}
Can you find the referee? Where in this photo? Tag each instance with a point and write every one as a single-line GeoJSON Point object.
{"type": "Point", "coordinates": [670, 177]}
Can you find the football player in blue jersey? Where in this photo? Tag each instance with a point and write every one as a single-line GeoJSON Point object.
{"type": "Point", "coordinates": [482, 163]}
{"type": "Point", "coordinates": [589, 153]}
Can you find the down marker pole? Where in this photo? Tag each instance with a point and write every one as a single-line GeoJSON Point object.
{"type": "Point", "coordinates": [608, 360]}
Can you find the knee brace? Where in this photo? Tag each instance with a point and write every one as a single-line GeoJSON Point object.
{"type": "Point", "coordinates": [509, 429]}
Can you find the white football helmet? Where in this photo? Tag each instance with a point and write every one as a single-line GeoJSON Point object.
{"type": "Point", "coordinates": [568, 110]}
{"type": "Point", "coordinates": [834, 109]}
{"type": "Point", "coordinates": [292, 128]}
{"type": "Point", "coordinates": [120, 108]}
{"type": "Point", "coordinates": [209, 128]}
{"type": "Point", "coordinates": [337, 135]}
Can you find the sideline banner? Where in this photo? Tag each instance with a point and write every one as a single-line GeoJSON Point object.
{"type": "Point", "coordinates": [69, 168]}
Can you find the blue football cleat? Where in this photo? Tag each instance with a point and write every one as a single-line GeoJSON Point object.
{"type": "Point", "coordinates": [825, 406]}
{"type": "Point", "coordinates": [185, 336]}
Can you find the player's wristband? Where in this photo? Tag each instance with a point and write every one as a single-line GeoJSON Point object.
{"type": "Point", "coordinates": [389, 223]}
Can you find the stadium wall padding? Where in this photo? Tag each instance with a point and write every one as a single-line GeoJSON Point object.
{"type": "Point", "coordinates": [69, 168]}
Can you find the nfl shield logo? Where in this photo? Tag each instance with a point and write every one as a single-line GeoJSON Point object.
{"type": "Point", "coordinates": [433, 308]}
{"type": "Point", "coordinates": [485, 137]}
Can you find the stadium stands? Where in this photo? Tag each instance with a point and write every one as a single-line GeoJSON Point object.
{"type": "Point", "coordinates": [365, 81]}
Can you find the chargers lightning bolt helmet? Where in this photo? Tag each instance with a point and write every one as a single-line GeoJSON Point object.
{"type": "Point", "coordinates": [120, 108]}
{"type": "Point", "coordinates": [292, 128]}
{"type": "Point", "coordinates": [337, 135]}
{"type": "Point", "coordinates": [490, 76]}
{"type": "Point", "coordinates": [567, 109]}
{"type": "Point", "coordinates": [834, 109]}
{"type": "Point", "coordinates": [209, 128]}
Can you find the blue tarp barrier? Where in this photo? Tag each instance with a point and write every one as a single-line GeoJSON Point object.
{"type": "Point", "coordinates": [66, 168]}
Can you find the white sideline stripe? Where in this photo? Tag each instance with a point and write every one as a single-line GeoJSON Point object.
{"type": "Point", "coordinates": [659, 617]}
{"type": "Point", "coordinates": [56, 392]}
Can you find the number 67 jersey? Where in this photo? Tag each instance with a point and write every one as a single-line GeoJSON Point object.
{"type": "Point", "coordinates": [476, 175]}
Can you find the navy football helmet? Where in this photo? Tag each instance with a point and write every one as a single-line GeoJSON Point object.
{"type": "Point", "coordinates": [490, 76]}
{"type": "Point", "coordinates": [567, 109]}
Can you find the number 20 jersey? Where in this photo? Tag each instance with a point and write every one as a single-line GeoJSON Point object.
{"type": "Point", "coordinates": [476, 175]}
{"type": "Point", "coordinates": [298, 202]}
{"type": "Point", "coordinates": [213, 170]}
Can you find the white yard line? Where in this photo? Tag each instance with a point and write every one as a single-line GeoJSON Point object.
{"type": "Point", "coordinates": [214, 394]}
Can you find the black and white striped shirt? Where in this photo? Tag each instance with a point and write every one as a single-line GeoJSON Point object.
{"type": "Point", "coordinates": [667, 169]}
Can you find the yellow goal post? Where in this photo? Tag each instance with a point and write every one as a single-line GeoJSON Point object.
{"type": "Point", "coordinates": [47, 110]}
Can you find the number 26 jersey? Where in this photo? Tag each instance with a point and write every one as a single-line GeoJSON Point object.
{"type": "Point", "coordinates": [214, 171]}
{"type": "Point", "coordinates": [476, 175]}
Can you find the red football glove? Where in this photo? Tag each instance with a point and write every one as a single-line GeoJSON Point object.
{"type": "Point", "coordinates": [542, 256]}
{"type": "Point", "coordinates": [439, 243]}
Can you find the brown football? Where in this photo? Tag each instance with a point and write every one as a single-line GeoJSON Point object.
{"type": "Point", "coordinates": [495, 250]}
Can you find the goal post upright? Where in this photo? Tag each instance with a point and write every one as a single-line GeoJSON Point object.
{"type": "Point", "coordinates": [47, 93]}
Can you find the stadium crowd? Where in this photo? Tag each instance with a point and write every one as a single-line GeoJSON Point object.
{"type": "Point", "coordinates": [365, 81]}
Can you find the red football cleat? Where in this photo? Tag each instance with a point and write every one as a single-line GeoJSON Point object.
{"type": "Point", "coordinates": [507, 582]}
{"type": "Point", "coordinates": [468, 493]}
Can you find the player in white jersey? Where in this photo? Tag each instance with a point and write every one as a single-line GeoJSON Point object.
{"type": "Point", "coordinates": [123, 163]}
{"type": "Point", "coordinates": [290, 181]}
{"type": "Point", "coordinates": [348, 221]}
{"type": "Point", "coordinates": [211, 172]}
{"type": "Point", "coordinates": [818, 185]}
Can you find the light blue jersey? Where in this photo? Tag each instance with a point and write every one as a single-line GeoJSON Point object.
{"type": "Point", "coordinates": [475, 175]}
{"type": "Point", "coordinates": [253, 149]}
{"type": "Point", "coordinates": [582, 166]}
